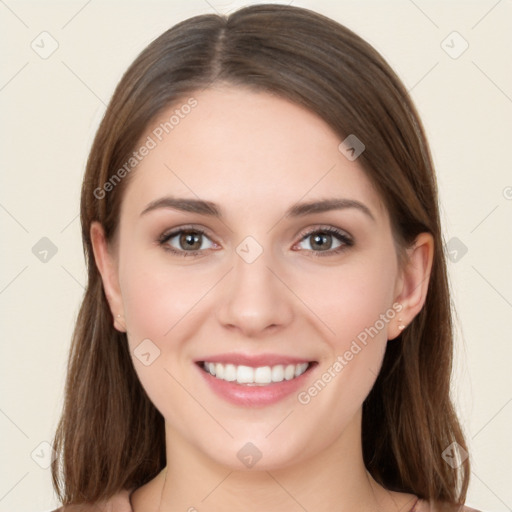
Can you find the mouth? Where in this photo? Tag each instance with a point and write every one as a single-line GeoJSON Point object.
{"type": "Point", "coordinates": [250, 380]}
{"type": "Point", "coordinates": [255, 376]}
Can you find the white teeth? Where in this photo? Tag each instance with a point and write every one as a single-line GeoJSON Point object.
{"type": "Point", "coordinates": [219, 371]}
{"type": "Point", "coordinates": [277, 373]}
{"type": "Point", "coordinates": [289, 372]}
{"type": "Point", "coordinates": [300, 369]}
{"type": "Point", "coordinates": [261, 375]}
{"type": "Point", "coordinates": [244, 374]}
{"type": "Point", "coordinates": [230, 372]}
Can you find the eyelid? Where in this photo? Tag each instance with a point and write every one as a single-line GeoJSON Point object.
{"type": "Point", "coordinates": [323, 227]}
{"type": "Point", "coordinates": [186, 227]}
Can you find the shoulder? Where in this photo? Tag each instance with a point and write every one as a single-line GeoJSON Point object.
{"type": "Point", "coordinates": [119, 502]}
{"type": "Point", "coordinates": [426, 506]}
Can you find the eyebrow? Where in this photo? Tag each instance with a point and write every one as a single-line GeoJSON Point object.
{"type": "Point", "coordinates": [297, 210]}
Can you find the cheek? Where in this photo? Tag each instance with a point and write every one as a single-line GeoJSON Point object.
{"type": "Point", "coordinates": [355, 302]}
{"type": "Point", "coordinates": [160, 306]}
{"type": "Point", "coordinates": [350, 299]}
{"type": "Point", "coordinates": [159, 299]}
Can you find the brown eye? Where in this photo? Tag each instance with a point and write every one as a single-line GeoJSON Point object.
{"type": "Point", "coordinates": [321, 240]}
{"type": "Point", "coordinates": [190, 240]}
{"type": "Point", "coordinates": [185, 242]}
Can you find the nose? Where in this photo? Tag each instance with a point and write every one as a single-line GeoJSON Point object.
{"type": "Point", "coordinates": [254, 297]}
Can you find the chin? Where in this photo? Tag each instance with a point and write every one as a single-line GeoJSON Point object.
{"type": "Point", "coordinates": [258, 452]}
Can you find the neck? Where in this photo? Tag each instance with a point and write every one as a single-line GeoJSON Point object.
{"type": "Point", "coordinates": [334, 479]}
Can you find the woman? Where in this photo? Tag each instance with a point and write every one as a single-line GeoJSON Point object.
{"type": "Point", "coordinates": [267, 321]}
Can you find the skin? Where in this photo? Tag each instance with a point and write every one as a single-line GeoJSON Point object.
{"type": "Point", "coordinates": [255, 155]}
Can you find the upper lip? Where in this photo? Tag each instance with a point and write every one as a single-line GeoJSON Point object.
{"type": "Point", "coordinates": [254, 361]}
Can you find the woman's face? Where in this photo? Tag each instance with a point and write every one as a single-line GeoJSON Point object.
{"type": "Point", "coordinates": [254, 292]}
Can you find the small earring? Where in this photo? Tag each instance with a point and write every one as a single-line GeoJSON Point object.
{"type": "Point", "coordinates": [118, 323]}
{"type": "Point", "coordinates": [401, 326]}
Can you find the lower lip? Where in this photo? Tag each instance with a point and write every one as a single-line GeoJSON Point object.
{"type": "Point", "coordinates": [254, 396]}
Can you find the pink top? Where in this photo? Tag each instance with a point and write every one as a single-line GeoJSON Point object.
{"type": "Point", "coordinates": [120, 502]}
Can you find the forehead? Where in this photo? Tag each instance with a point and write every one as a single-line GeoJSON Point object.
{"type": "Point", "coordinates": [247, 150]}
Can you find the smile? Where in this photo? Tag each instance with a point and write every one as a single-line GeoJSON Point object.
{"type": "Point", "coordinates": [254, 376]}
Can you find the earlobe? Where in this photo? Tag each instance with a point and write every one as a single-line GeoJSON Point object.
{"type": "Point", "coordinates": [107, 267]}
{"type": "Point", "coordinates": [414, 281]}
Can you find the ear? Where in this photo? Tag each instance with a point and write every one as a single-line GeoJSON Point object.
{"type": "Point", "coordinates": [107, 266]}
{"type": "Point", "coordinates": [412, 285]}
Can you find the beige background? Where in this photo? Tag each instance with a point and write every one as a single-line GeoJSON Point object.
{"type": "Point", "coordinates": [52, 106]}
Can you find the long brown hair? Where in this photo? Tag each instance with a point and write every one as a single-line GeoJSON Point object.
{"type": "Point", "coordinates": [110, 436]}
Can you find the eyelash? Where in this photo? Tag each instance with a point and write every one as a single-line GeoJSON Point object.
{"type": "Point", "coordinates": [341, 235]}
